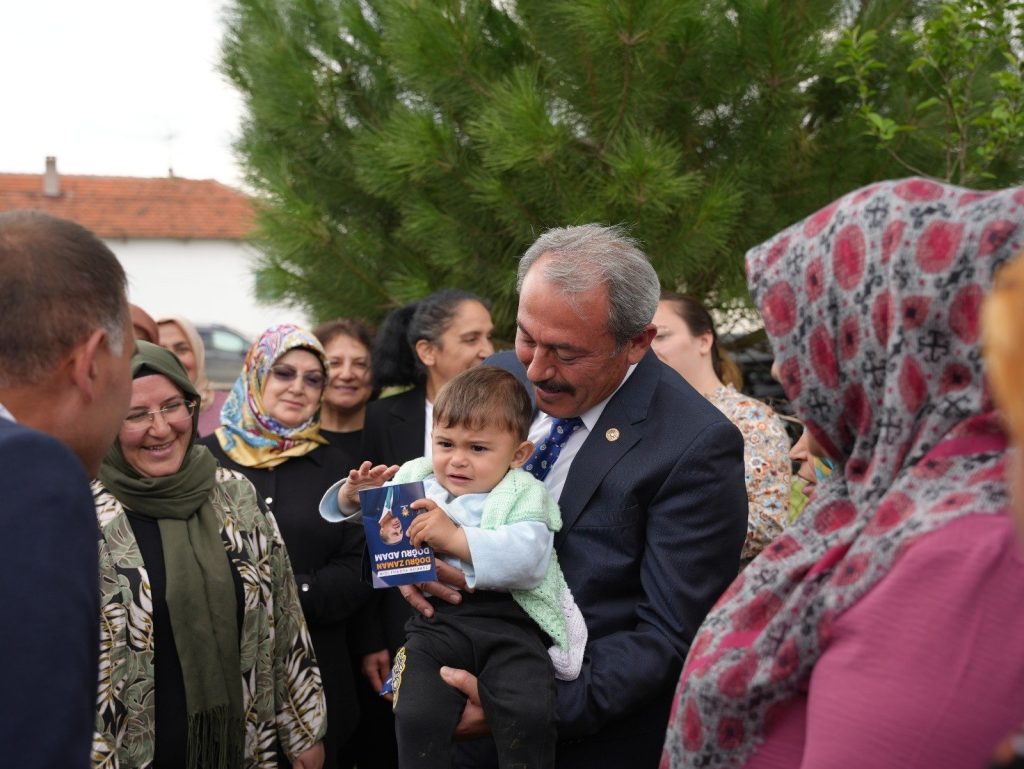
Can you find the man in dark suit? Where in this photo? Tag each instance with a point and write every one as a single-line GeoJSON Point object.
{"type": "Point", "coordinates": [651, 489]}
{"type": "Point", "coordinates": [65, 383]}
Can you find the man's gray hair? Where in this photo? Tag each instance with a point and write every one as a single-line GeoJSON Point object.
{"type": "Point", "coordinates": [591, 255]}
{"type": "Point", "coordinates": [58, 284]}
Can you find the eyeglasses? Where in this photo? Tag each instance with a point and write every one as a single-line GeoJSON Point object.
{"type": "Point", "coordinates": [173, 413]}
{"type": "Point", "coordinates": [312, 379]}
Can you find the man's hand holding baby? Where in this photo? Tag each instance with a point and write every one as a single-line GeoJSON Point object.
{"type": "Point", "coordinates": [433, 527]}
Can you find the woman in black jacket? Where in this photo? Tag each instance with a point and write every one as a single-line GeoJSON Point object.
{"type": "Point", "coordinates": [270, 432]}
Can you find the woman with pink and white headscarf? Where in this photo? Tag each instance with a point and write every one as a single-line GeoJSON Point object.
{"type": "Point", "coordinates": [883, 628]}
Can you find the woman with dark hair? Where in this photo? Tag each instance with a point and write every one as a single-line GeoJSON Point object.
{"type": "Point", "coordinates": [877, 630]}
{"type": "Point", "coordinates": [347, 344]}
{"type": "Point", "coordinates": [423, 344]}
{"type": "Point", "coordinates": [271, 434]}
{"type": "Point", "coordinates": [349, 388]}
{"type": "Point", "coordinates": [687, 342]}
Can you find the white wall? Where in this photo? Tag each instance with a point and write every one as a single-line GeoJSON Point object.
{"type": "Point", "coordinates": [207, 281]}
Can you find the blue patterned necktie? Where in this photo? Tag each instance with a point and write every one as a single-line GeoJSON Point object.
{"type": "Point", "coordinates": [539, 463]}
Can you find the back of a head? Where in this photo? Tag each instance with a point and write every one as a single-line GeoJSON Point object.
{"type": "Point", "coordinates": [590, 255]}
{"type": "Point", "coordinates": [144, 325]}
{"type": "Point", "coordinates": [58, 284]}
{"type": "Point", "coordinates": [485, 396]}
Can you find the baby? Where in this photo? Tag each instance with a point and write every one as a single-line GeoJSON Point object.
{"type": "Point", "coordinates": [496, 523]}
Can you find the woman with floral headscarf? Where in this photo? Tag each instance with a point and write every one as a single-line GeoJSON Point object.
{"type": "Point", "coordinates": [270, 432]}
{"type": "Point", "coordinates": [880, 629]}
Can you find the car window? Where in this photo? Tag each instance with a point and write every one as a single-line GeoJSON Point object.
{"type": "Point", "coordinates": [227, 342]}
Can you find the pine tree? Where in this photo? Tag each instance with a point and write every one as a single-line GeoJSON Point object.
{"type": "Point", "coordinates": [401, 146]}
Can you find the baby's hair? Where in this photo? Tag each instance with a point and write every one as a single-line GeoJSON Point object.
{"type": "Point", "coordinates": [485, 396]}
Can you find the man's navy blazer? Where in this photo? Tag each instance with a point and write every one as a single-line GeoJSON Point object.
{"type": "Point", "coordinates": [654, 514]}
{"type": "Point", "coordinates": [49, 593]}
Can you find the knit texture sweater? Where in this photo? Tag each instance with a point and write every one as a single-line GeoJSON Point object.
{"type": "Point", "coordinates": [517, 498]}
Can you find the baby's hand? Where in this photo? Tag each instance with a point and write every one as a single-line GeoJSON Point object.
{"type": "Point", "coordinates": [366, 476]}
{"type": "Point", "coordinates": [433, 527]}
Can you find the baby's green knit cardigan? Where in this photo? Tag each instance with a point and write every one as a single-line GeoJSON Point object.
{"type": "Point", "coordinates": [519, 497]}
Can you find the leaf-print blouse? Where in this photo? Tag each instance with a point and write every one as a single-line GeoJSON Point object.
{"type": "Point", "coordinates": [282, 695]}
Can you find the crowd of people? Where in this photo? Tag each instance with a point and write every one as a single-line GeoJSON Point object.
{"type": "Point", "coordinates": [622, 577]}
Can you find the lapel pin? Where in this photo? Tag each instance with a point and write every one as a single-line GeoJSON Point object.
{"type": "Point", "coordinates": [612, 434]}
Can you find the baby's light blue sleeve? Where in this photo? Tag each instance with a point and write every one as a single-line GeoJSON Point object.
{"type": "Point", "coordinates": [329, 509]}
{"type": "Point", "coordinates": [510, 557]}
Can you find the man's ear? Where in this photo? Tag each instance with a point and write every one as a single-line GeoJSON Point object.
{"type": "Point", "coordinates": [83, 363]}
{"type": "Point", "coordinates": [639, 344]}
{"type": "Point", "coordinates": [425, 352]}
{"type": "Point", "coordinates": [522, 453]}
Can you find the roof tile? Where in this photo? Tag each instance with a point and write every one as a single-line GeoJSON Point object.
{"type": "Point", "coordinates": [117, 207]}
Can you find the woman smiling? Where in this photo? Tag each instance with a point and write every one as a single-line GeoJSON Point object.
{"type": "Point", "coordinates": [271, 434]}
{"type": "Point", "coordinates": [202, 634]}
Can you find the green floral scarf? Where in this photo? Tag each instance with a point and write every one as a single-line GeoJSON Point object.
{"type": "Point", "coordinates": [200, 590]}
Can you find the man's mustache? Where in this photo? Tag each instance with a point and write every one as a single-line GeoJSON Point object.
{"type": "Point", "coordinates": [552, 386]}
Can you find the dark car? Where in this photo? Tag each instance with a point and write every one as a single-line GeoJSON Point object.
{"type": "Point", "coordinates": [226, 349]}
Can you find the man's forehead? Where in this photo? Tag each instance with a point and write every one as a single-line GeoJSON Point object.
{"type": "Point", "coordinates": [550, 336]}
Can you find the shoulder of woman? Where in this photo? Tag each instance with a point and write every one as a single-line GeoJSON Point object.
{"type": "Point", "coordinates": [749, 408]}
{"type": "Point", "coordinates": [236, 491]}
{"type": "Point", "coordinates": [969, 542]}
{"type": "Point", "coordinates": [107, 506]}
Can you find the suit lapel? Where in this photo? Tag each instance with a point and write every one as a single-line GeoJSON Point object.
{"type": "Point", "coordinates": [625, 412]}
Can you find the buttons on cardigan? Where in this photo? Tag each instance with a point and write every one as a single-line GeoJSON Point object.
{"type": "Point", "coordinates": [304, 587]}
{"type": "Point", "coordinates": [269, 501]}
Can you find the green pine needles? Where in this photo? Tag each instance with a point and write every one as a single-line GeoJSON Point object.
{"type": "Point", "coordinates": [402, 146]}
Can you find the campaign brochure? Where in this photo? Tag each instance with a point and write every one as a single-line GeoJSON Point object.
{"type": "Point", "coordinates": [387, 513]}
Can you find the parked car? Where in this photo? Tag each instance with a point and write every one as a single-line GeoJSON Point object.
{"type": "Point", "coordinates": [226, 349]}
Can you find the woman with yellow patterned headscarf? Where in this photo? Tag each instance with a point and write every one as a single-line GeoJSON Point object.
{"type": "Point", "coordinates": [270, 432]}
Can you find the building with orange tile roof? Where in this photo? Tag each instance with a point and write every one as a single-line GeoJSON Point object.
{"type": "Point", "coordinates": [183, 242]}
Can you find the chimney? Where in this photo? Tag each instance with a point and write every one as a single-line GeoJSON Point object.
{"type": "Point", "coordinates": [51, 181]}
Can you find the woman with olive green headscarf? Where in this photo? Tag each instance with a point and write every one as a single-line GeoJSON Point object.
{"type": "Point", "coordinates": [205, 659]}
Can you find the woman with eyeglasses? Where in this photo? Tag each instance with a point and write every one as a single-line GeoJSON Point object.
{"type": "Point", "coordinates": [270, 432]}
{"type": "Point", "coordinates": [205, 658]}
